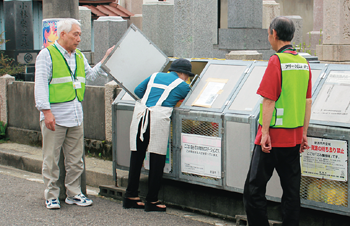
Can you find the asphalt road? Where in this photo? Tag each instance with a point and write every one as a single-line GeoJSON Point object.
{"type": "Point", "coordinates": [22, 203]}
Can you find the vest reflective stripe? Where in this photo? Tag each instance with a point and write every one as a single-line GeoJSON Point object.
{"type": "Point", "coordinates": [61, 86]}
{"type": "Point", "coordinates": [289, 109]}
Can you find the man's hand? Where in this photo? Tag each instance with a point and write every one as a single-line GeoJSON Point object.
{"type": "Point", "coordinates": [50, 121]}
{"type": "Point", "coordinates": [107, 53]}
{"type": "Point", "coordinates": [265, 143]}
{"type": "Point", "coordinates": [304, 144]}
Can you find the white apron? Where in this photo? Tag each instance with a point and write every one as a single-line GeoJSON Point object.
{"type": "Point", "coordinates": [159, 116]}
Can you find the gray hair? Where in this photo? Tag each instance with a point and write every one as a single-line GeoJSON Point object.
{"type": "Point", "coordinates": [66, 25]}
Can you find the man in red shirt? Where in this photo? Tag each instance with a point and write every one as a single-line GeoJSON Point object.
{"type": "Point", "coordinates": [284, 120]}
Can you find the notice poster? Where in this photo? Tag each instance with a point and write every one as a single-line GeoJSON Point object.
{"type": "Point", "coordinates": [49, 31]}
{"type": "Point", "coordinates": [201, 155]}
{"type": "Point", "coordinates": [326, 159]}
{"type": "Point", "coordinates": [210, 92]}
{"type": "Point", "coordinates": [333, 101]}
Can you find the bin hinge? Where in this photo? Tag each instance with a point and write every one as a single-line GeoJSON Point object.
{"type": "Point", "coordinates": [222, 130]}
{"type": "Point", "coordinates": [222, 174]}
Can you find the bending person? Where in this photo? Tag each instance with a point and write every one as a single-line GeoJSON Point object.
{"type": "Point", "coordinates": [149, 130]}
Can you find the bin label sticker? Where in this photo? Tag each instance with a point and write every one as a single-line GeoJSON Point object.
{"type": "Point", "coordinates": [201, 155]}
{"type": "Point", "coordinates": [326, 159]}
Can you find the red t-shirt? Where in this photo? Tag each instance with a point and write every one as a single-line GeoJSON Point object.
{"type": "Point", "coordinates": [270, 87]}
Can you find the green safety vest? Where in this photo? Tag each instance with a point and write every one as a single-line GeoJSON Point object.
{"type": "Point", "coordinates": [61, 86]}
{"type": "Point", "coordinates": [289, 109]}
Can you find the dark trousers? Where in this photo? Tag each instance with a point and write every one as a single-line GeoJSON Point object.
{"type": "Point", "coordinates": [157, 163]}
{"type": "Point", "coordinates": [286, 161]}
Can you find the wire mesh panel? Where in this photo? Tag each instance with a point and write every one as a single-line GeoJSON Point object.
{"type": "Point", "coordinates": [324, 191]}
{"type": "Point", "coordinates": [199, 145]}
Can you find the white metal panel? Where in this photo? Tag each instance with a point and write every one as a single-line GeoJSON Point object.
{"type": "Point", "coordinates": [247, 98]}
{"type": "Point", "coordinates": [332, 103]}
{"type": "Point", "coordinates": [124, 118]}
{"type": "Point", "coordinates": [273, 187]}
{"type": "Point", "coordinates": [315, 74]}
{"type": "Point", "coordinates": [134, 59]}
{"type": "Point", "coordinates": [237, 153]}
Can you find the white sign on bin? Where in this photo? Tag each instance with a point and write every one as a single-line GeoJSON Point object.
{"type": "Point", "coordinates": [134, 59]}
{"type": "Point", "coordinates": [201, 155]}
{"type": "Point", "coordinates": [326, 159]}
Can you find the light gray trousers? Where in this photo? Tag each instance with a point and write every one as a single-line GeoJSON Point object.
{"type": "Point", "coordinates": [70, 139]}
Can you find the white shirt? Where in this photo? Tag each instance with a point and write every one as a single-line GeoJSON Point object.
{"type": "Point", "coordinates": [68, 114]}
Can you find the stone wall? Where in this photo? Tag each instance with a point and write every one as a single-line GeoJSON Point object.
{"type": "Point", "coordinates": [23, 118]}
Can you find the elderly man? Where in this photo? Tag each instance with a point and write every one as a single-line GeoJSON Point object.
{"type": "Point", "coordinates": [149, 130]}
{"type": "Point", "coordinates": [284, 120]}
{"type": "Point", "coordinates": [60, 74]}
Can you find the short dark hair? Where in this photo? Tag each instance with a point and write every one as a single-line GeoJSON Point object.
{"type": "Point", "coordinates": [284, 28]}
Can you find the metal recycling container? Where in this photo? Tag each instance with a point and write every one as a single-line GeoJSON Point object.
{"type": "Point", "coordinates": [198, 123]}
{"type": "Point", "coordinates": [122, 110]}
{"type": "Point", "coordinates": [325, 166]}
{"type": "Point", "coordinates": [240, 128]}
{"type": "Point", "coordinates": [325, 169]}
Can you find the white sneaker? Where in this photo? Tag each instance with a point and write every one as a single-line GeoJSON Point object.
{"type": "Point", "coordinates": [80, 200]}
{"type": "Point", "coordinates": [52, 204]}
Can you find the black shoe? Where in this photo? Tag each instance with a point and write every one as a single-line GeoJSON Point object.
{"type": "Point", "coordinates": [134, 204]}
{"type": "Point", "coordinates": [153, 207]}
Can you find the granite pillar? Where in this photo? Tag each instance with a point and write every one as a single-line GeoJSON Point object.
{"type": "Point", "coordinates": [315, 36]}
{"type": "Point", "coordinates": [134, 6]}
{"type": "Point", "coordinates": [19, 32]}
{"type": "Point", "coordinates": [195, 28]}
{"type": "Point", "coordinates": [60, 9]}
{"type": "Point", "coordinates": [19, 25]}
{"type": "Point", "coordinates": [244, 27]}
{"type": "Point", "coordinates": [303, 8]}
{"type": "Point", "coordinates": [223, 14]}
{"type": "Point", "coordinates": [244, 55]}
{"type": "Point", "coordinates": [298, 34]}
{"type": "Point", "coordinates": [336, 31]}
{"type": "Point", "coordinates": [244, 13]}
{"type": "Point", "coordinates": [271, 9]}
{"type": "Point", "coordinates": [158, 25]}
{"type": "Point", "coordinates": [107, 32]}
{"type": "Point", "coordinates": [85, 21]}
{"type": "Point", "coordinates": [4, 80]}
{"type": "Point", "coordinates": [136, 20]}
{"type": "Point", "coordinates": [111, 92]}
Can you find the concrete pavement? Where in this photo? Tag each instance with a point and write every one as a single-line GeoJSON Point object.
{"type": "Point", "coordinates": [27, 161]}
{"type": "Point", "coordinates": [22, 203]}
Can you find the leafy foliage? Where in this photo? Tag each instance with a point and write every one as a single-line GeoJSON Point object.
{"type": "Point", "coordinates": [7, 64]}
{"type": "Point", "coordinates": [3, 130]}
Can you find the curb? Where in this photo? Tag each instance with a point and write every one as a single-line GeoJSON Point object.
{"type": "Point", "coordinates": [27, 162]}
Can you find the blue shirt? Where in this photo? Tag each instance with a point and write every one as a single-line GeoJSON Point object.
{"type": "Point", "coordinates": [178, 93]}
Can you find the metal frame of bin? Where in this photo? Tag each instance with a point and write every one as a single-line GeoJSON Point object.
{"type": "Point", "coordinates": [206, 116]}
{"type": "Point", "coordinates": [334, 133]}
{"type": "Point", "coordinates": [122, 111]}
{"type": "Point", "coordinates": [237, 146]}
